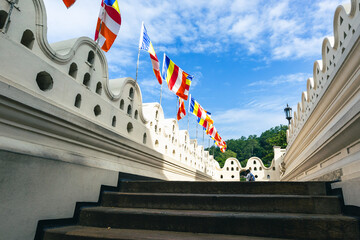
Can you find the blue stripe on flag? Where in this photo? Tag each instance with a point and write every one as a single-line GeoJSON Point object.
{"type": "Point", "coordinates": [192, 103]}
{"type": "Point", "coordinates": [109, 2]}
{"type": "Point", "coordinates": [165, 67]}
{"type": "Point", "coordinates": [145, 41]}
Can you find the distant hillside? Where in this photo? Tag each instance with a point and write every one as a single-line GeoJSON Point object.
{"type": "Point", "coordinates": [261, 147]}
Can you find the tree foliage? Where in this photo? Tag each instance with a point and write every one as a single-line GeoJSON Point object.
{"type": "Point", "coordinates": [261, 147]}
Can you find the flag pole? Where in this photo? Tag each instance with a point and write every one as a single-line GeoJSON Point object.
{"type": "Point", "coordinates": [162, 73]}
{"type": "Point", "coordinates": [177, 107]}
{"type": "Point", "coordinates": [97, 40]}
{"type": "Point", "coordinates": [141, 36]}
{"type": "Point", "coordinates": [137, 66]}
{"type": "Point", "coordinates": [214, 149]}
{"type": "Point", "coordinates": [197, 132]}
{"type": "Point", "coordinates": [189, 113]}
{"type": "Point", "coordinates": [160, 93]}
{"type": "Point", "coordinates": [203, 138]}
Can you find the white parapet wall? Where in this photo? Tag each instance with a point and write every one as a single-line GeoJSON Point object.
{"type": "Point", "coordinates": [232, 168]}
{"type": "Point", "coordinates": [71, 78]}
{"type": "Point", "coordinates": [324, 134]}
{"type": "Point", "coordinates": [66, 129]}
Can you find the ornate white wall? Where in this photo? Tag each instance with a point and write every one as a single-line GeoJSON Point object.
{"type": "Point", "coordinates": [65, 129]}
{"type": "Point", "coordinates": [73, 75]}
{"type": "Point", "coordinates": [232, 168]}
{"type": "Point", "coordinates": [324, 134]}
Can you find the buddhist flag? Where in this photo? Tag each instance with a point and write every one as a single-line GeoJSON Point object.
{"type": "Point", "coordinates": [178, 81]}
{"type": "Point", "coordinates": [181, 112]}
{"type": "Point", "coordinates": [108, 24]}
{"type": "Point", "coordinates": [207, 122]}
{"type": "Point", "coordinates": [211, 131]}
{"type": "Point", "coordinates": [69, 3]}
{"type": "Point", "coordinates": [222, 145]}
{"type": "Point", "coordinates": [146, 45]}
{"type": "Point", "coordinates": [203, 118]}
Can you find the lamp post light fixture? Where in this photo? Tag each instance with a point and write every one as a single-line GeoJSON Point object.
{"type": "Point", "coordinates": [288, 113]}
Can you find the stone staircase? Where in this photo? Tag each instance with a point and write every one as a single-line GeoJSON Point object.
{"type": "Point", "coordinates": [212, 210]}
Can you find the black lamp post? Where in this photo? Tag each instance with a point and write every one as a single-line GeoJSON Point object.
{"type": "Point", "coordinates": [288, 113]}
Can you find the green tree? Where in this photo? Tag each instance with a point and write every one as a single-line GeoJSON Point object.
{"type": "Point", "coordinates": [244, 148]}
{"type": "Point", "coordinates": [223, 156]}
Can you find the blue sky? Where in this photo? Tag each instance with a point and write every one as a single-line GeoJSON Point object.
{"type": "Point", "coordinates": [249, 58]}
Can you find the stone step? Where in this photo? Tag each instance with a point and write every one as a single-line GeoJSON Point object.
{"type": "Point", "coordinates": [225, 202]}
{"type": "Point", "coordinates": [288, 188]}
{"type": "Point", "coordinates": [282, 225]}
{"type": "Point", "coordinates": [94, 233]}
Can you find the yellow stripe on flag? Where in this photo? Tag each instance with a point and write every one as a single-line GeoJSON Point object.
{"type": "Point", "coordinates": [116, 6]}
{"type": "Point", "coordinates": [170, 71]}
{"type": "Point", "coordinates": [188, 82]}
{"type": "Point", "coordinates": [196, 108]}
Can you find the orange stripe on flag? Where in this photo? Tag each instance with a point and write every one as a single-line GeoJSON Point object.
{"type": "Point", "coordinates": [68, 3]}
{"type": "Point", "coordinates": [181, 91]}
{"type": "Point", "coordinates": [109, 36]}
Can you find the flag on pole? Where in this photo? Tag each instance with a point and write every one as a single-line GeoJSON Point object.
{"type": "Point", "coordinates": [108, 24]}
{"type": "Point", "coordinates": [214, 134]}
{"type": "Point", "coordinates": [178, 81]}
{"type": "Point", "coordinates": [211, 131]}
{"type": "Point", "coordinates": [220, 142]}
{"type": "Point", "coordinates": [203, 118]}
{"type": "Point", "coordinates": [146, 45]}
{"type": "Point", "coordinates": [207, 122]}
{"type": "Point", "coordinates": [69, 3]}
{"type": "Point", "coordinates": [181, 112]}
{"type": "Point", "coordinates": [222, 145]}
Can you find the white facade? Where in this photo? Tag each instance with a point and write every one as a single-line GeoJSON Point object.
{"type": "Point", "coordinates": [232, 168]}
{"type": "Point", "coordinates": [324, 134]}
{"type": "Point", "coordinates": [73, 75]}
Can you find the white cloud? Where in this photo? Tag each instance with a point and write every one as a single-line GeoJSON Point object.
{"type": "Point", "coordinates": [237, 122]}
{"type": "Point", "coordinates": [79, 20]}
{"type": "Point", "coordinates": [282, 79]}
{"type": "Point", "coordinates": [275, 27]}
{"type": "Point", "coordinates": [240, 6]}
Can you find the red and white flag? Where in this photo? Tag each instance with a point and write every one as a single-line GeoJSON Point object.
{"type": "Point", "coordinates": [108, 24]}
{"type": "Point", "coordinates": [146, 45]}
{"type": "Point", "coordinates": [181, 112]}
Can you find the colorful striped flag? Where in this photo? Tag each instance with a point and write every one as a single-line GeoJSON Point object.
{"type": "Point", "coordinates": [108, 24]}
{"type": "Point", "coordinates": [220, 143]}
{"type": "Point", "coordinates": [146, 45]}
{"type": "Point", "coordinates": [178, 81]}
{"type": "Point", "coordinates": [211, 131]}
{"type": "Point", "coordinates": [208, 122]}
{"type": "Point", "coordinates": [215, 136]}
{"type": "Point", "coordinates": [203, 118]}
{"type": "Point", "coordinates": [181, 112]}
{"type": "Point", "coordinates": [69, 3]}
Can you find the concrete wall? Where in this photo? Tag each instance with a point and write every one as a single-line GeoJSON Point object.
{"type": "Point", "coordinates": [27, 181]}
{"type": "Point", "coordinates": [323, 137]}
